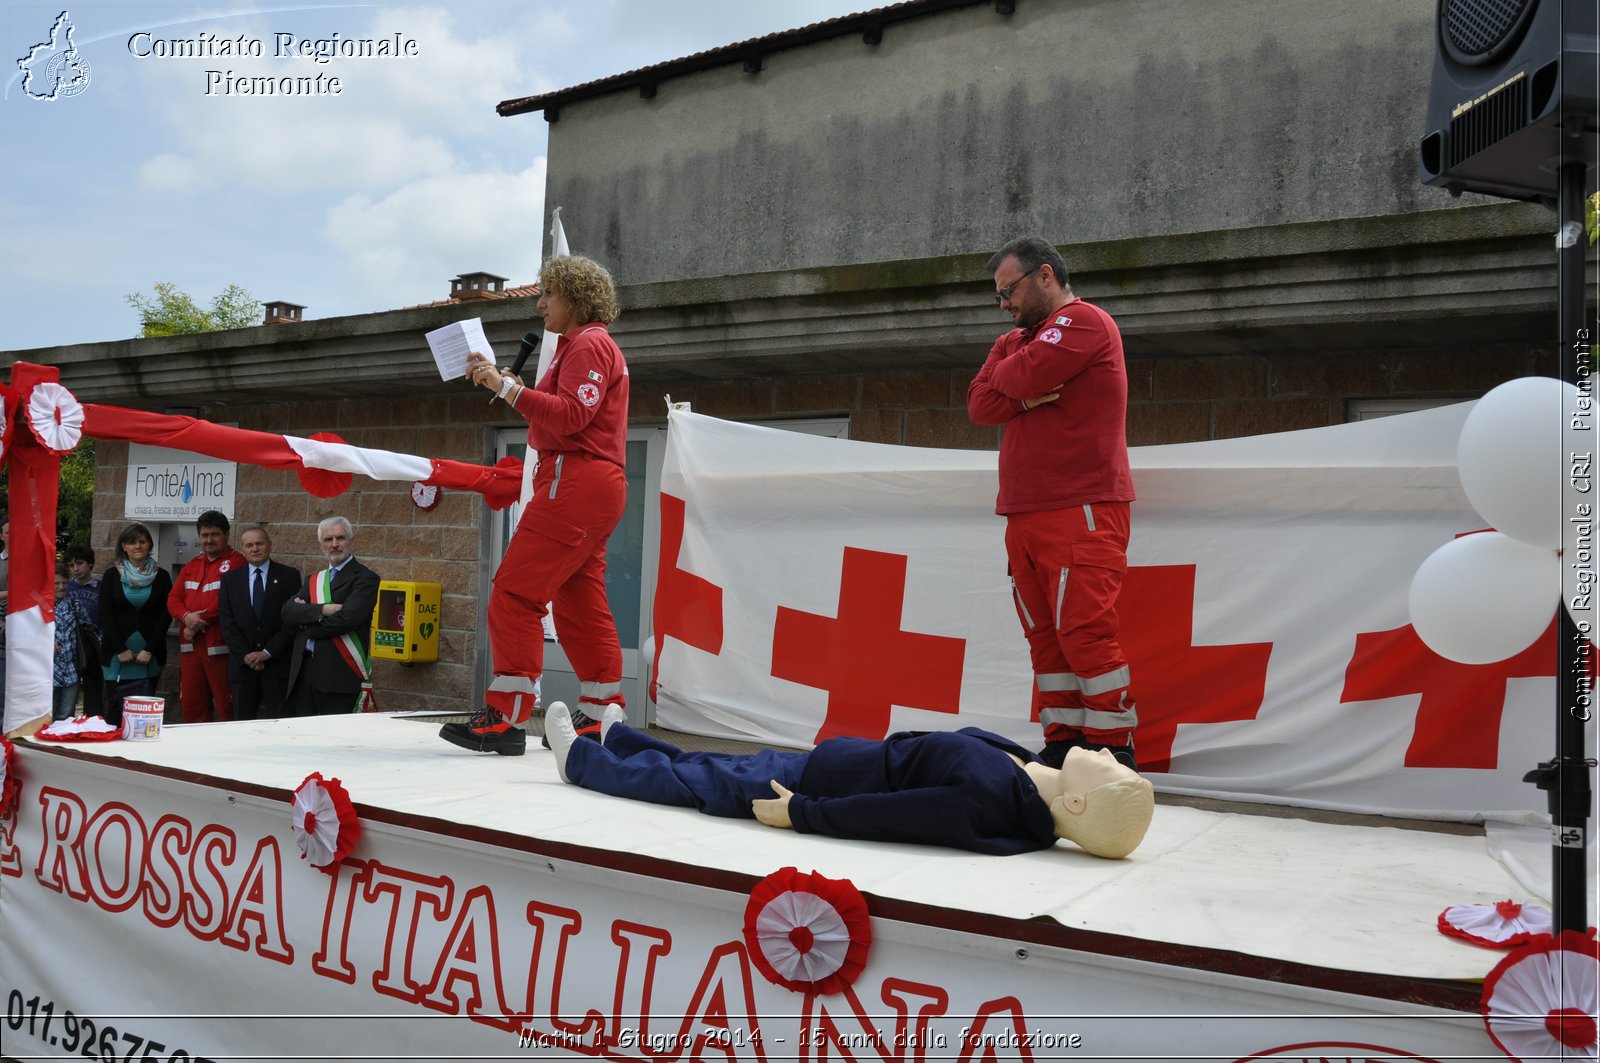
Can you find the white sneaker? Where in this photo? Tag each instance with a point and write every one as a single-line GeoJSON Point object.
{"type": "Point", "coordinates": [561, 734]}
{"type": "Point", "coordinates": [613, 714]}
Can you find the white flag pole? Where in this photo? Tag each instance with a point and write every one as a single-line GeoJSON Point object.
{"type": "Point", "coordinates": [547, 350]}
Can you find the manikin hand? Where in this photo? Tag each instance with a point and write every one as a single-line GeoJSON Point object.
{"type": "Point", "coordinates": [774, 811]}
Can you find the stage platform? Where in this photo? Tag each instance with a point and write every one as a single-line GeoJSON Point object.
{"type": "Point", "coordinates": [157, 885]}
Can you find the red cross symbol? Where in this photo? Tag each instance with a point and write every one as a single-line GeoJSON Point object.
{"type": "Point", "coordinates": [863, 659]}
{"type": "Point", "coordinates": [1458, 718]}
{"type": "Point", "coordinates": [687, 607]}
{"type": "Point", "coordinates": [1175, 681]}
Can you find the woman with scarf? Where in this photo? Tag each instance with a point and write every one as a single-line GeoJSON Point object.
{"type": "Point", "coordinates": [133, 614]}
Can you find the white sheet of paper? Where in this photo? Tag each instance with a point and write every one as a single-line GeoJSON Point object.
{"type": "Point", "coordinates": [452, 343]}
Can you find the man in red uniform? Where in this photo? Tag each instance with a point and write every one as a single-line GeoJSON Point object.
{"type": "Point", "coordinates": [578, 424]}
{"type": "Point", "coordinates": [194, 604]}
{"type": "Point", "coordinates": [1058, 384]}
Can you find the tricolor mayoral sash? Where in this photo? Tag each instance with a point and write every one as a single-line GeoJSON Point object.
{"type": "Point", "coordinates": [350, 647]}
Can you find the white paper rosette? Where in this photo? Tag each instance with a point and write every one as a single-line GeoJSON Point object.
{"type": "Point", "coordinates": [324, 822]}
{"type": "Point", "coordinates": [1541, 1001]}
{"type": "Point", "coordinates": [807, 933]}
{"type": "Point", "coordinates": [1502, 926]}
{"type": "Point", "coordinates": [802, 936]}
{"type": "Point", "coordinates": [55, 417]}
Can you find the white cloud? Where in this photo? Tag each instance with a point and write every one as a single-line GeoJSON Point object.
{"type": "Point", "coordinates": [395, 120]}
{"type": "Point", "coordinates": [404, 248]}
{"type": "Point", "coordinates": [168, 173]}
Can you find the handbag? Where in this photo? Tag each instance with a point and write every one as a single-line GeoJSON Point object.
{"type": "Point", "coordinates": [87, 657]}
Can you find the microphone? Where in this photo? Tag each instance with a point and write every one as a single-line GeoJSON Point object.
{"type": "Point", "coordinates": [530, 343]}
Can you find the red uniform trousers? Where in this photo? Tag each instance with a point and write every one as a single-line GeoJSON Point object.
{"type": "Point", "coordinates": [203, 682]}
{"type": "Point", "coordinates": [1066, 569]}
{"type": "Point", "coordinates": [558, 556]}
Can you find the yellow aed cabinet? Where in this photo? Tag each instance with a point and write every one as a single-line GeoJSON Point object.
{"type": "Point", "coordinates": [405, 626]}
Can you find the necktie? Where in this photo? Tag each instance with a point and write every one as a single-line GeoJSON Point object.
{"type": "Point", "coordinates": [258, 595]}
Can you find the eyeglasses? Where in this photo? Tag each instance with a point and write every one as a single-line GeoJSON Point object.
{"type": "Point", "coordinates": [1002, 294]}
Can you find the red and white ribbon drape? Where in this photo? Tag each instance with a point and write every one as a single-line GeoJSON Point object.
{"type": "Point", "coordinates": [499, 484]}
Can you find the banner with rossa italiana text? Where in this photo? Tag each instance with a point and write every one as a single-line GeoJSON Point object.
{"type": "Point", "coordinates": [148, 918]}
{"type": "Point", "coordinates": [810, 587]}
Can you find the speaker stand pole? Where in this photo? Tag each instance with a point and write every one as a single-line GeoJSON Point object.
{"type": "Point", "coordinates": [1566, 779]}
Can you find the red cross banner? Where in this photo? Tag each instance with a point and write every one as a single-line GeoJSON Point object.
{"type": "Point", "coordinates": [813, 587]}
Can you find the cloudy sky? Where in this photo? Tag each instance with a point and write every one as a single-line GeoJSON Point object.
{"type": "Point", "coordinates": [366, 200]}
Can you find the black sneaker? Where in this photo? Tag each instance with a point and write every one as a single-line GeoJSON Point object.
{"type": "Point", "coordinates": [487, 732]}
{"type": "Point", "coordinates": [1054, 754]}
{"type": "Point", "coordinates": [586, 726]}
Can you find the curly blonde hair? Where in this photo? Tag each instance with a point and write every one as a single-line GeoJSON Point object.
{"type": "Point", "coordinates": [585, 285]}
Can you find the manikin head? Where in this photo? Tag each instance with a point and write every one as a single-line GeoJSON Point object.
{"type": "Point", "coordinates": [1099, 805]}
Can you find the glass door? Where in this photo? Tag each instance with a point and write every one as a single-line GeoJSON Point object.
{"type": "Point", "coordinates": [630, 570]}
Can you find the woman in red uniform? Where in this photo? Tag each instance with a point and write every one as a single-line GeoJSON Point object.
{"type": "Point", "coordinates": [578, 424]}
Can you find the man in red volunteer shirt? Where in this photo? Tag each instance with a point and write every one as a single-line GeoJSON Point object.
{"type": "Point", "coordinates": [194, 603]}
{"type": "Point", "coordinates": [578, 424]}
{"type": "Point", "coordinates": [1058, 384]}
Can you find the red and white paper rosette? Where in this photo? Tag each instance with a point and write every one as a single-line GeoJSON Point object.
{"type": "Point", "coordinates": [324, 483]}
{"type": "Point", "coordinates": [324, 822]}
{"type": "Point", "coordinates": [1499, 926]}
{"type": "Point", "coordinates": [55, 417]}
{"type": "Point", "coordinates": [807, 933]}
{"type": "Point", "coordinates": [79, 729]}
{"type": "Point", "coordinates": [9, 786]}
{"type": "Point", "coordinates": [1540, 1002]}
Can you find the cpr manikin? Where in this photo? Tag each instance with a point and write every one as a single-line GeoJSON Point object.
{"type": "Point", "coordinates": [969, 789]}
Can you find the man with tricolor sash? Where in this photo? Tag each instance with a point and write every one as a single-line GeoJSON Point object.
{"type": "Point", "coordinates": [330, 670]}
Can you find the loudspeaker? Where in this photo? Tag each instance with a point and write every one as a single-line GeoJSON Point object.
{"type": "Point", "coordinates": [1513, 95]}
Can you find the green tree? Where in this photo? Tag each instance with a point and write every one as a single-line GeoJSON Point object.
{"type": "Point", "coordinates": [75, 500]}
{"type": "Point", "coordinates": [171, 312]}
{"type": "Point", "coordinates": [75, 506]}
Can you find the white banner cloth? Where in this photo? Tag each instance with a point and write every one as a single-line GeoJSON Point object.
{"type": "Point", "coordinates": [1264, 613]}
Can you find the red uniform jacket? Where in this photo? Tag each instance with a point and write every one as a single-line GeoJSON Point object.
{"type": "Point", "coordinates": [1070, 451]}
{"type": "Point", "coordinates": [196, 591]}
{"type": "Point", "coordinates": [581, 404]}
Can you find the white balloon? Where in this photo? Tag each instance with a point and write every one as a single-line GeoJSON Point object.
{"type": "Point", "coordinates": [1482, 598]}
{"type": "Point", "coordinates": [1510, 458]}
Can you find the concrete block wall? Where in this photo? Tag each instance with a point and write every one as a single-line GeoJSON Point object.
{"type": "Point", "coordinates": [1170, 399]}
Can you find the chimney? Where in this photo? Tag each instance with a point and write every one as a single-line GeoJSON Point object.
{"type": "Point", "coordinates": [281, 313]}
{"type": "Point", "coordinates": [476, 286]}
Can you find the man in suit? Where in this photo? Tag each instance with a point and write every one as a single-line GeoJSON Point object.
{"type": "Point", "coordinates": [252, 600]}
{"type": "Point", "coordinates": [329, 669]}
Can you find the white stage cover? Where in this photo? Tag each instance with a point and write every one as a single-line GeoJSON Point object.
{"type": "Point", "coordinates": [157, 887]}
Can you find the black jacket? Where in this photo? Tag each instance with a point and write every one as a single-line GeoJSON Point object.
{"type": "Point", "coordinates": [119, 618]}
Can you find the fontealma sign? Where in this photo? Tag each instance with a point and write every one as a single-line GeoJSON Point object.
{"type": "Point", "coordinates": [167, 485]}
